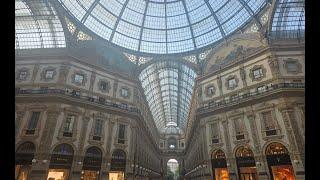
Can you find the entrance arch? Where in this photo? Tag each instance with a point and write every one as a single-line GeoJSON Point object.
{"type": "Point", "coordinates": [92, 163]}
{"type": "Point", "coordinates": [118, 165]}
{"type": "Point", "coordinates": [279, 162]}
{"type": "Point", "coordinates": [23, 160]}
{"type": "Point", "coordinates": [219, 165]}
{"type": "Point", "coordinates": [246, 164]}
{"type": "Point", "coordinates": [61, 162]}
{"type": "Point", "coordinates": [172, 169]}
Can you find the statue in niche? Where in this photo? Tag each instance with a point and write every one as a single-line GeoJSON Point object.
{"type": "Point", "coordinates": [219, 83]}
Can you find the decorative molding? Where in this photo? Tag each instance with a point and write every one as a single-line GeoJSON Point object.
{"type": "Point", "coordinates": [19, 71]}
{"type": "Point", "coordinates": [79, 72]}
{"type": "Point", "coordinates": [108, 86]}
{"type": "Point", "coordinates": [128, 90]}
{"type": "Point", "coordinates": [255, 68]}
{"type": "Point", "coordinates": [296, 61]}
{"type": "Point", "coordinates": [44, 71]}
{"type": "Point", "coordinates": [227, 82]}
{"type": "Point", "coordinates": [211, 93]}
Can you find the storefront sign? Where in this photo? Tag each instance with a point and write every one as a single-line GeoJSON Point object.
{"type": "Point", "coordinates": [61, 161]}
{"type": "Point", "coordinates": [245, 162]}
{"type": "Point", "coordinates": [24, 158]}
{"type": "Point", "coordinates": [90, 163]}
{"type": "Point", "coordinates": [218, 163]}
{"type": "Point", "coordinates": [281, 159]}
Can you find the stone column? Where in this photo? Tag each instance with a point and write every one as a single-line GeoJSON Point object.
{"type": "Point", "coordinates": [115, 88]}
{"type": "Point", "coordinates": [230, 158]}
{"type": "Point", "coordinates": [79, 155]}
{"type": "Point", "coordinates": [295, 139]}
{"type": "Point", "coordinates": [39, 169]}
{"type": "Point", "coordinates": [260, 162]}
{"type": "Point", "coordinates": [20, 115]}
{"type": "Point", "coordinates": [109, 137]}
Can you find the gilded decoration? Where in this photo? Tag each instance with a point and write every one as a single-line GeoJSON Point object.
{"type": "Point", "coordinates": [298, 68]}
{"type": "Point", "coordinates": [256, 67]}
{"type": "Point", "coordinates": [84, 80]}
{"type": "Point", "coordinates": [127, 95]}
{"type": "Point", "coordinates": [210, 90]}
{"type": "Point", "coordinates": [230, 78]}
{"type": "Point", "coordinates": [108, 87]}
{"type": "Point", "coordinates": [43, 75]}
{"type": "Point", "coordinates": [22, 74]}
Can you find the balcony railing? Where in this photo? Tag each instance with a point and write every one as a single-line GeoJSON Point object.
{"type": "Point", "coordinates": [77, 95]}
{"type": "Point", "coordinates": [247, 96]}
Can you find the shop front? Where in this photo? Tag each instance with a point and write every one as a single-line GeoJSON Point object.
{"type": "Point", "coordinates": [246, 164]}
{"type": "Point", "coordinates": [219, 165]}
{"type": "Point", "coordinates": [91, 164]}
{"type": "Point", "coordinates": [279, 162]}
{"type": "Point", "coordinates": [23, 160]}
{"type": "Point", "coordinates": [118, 165]}
{"type": "Point", "coordinates": [61, 162]}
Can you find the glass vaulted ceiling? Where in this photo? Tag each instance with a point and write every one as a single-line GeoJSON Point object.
{"type": "Point", "coordinates": [168, 86]}
{"type": "Point", "coordinates": [163, 26]}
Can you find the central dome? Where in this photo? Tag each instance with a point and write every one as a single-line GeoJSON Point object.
{"type": "Point", "coordinates": [162, 26]}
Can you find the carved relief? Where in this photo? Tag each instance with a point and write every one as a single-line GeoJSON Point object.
{"type": "Point", "coordinates": [274, 66]}
{"type": "Point", "coordinates": [93, 78]}
{"type": "Point", "coordinates": [35, 71]}
{"type": "Point", "coordinates": [219, 81]}
{"type": "Point", "coordinates": [64, 71]}
{"type": "Point", "coordinates": [48, 77]}
{"type": "Point", "coordinates": [243, 75]}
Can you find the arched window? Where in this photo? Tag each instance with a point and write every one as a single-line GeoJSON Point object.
{"type": "Point", "coordinates": [218, 154]}
{"type": "Point", "coordinates": [63, 149]}
{"type": "Point", "coordinates": [276, 149]}
{"type": "Point", "coordinates": [243, 151]}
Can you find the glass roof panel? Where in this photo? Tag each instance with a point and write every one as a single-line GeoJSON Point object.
{"type": "Point", "coordinates": [37, 26]}
{"type": "Point", "coordinates": [168, 91]}
{"type": "Point", "coordinates": [178, 25]}
{"type": "Point", "coordinates": [288, 19]}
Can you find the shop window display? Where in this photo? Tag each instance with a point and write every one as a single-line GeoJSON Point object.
{"type": "Point", "coordinates": [58, 174]}
{"type": "Point", "coordinates": [219, 165]}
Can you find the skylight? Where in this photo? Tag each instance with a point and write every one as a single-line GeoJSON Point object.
{"type": "Point", "coordinates": [168, 86]}
{"type": "Point", "coordinates": [166, 26]}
